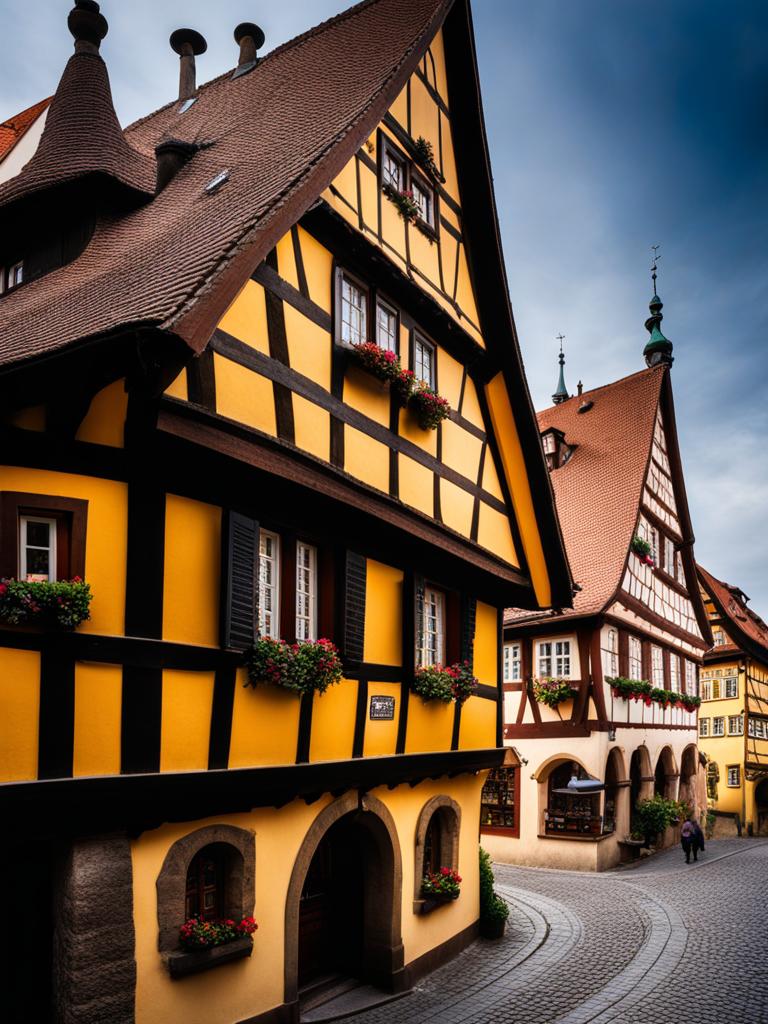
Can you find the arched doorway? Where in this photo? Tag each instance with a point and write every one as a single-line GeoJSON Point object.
{"type": "Point", "coordinates": [665, 775]}
{"type": "Point", "coordinates": [616, 809]}
{"type": "Point", "coordinates": [343, 907]}
{"type": "Point", "coordinates": [639, 776]}
{"type": "Point", "coordinates": [761, 807]}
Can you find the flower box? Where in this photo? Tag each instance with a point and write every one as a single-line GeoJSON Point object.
{"type": "Point", "coordinates": [429, 407]}
{"type": "Point", "coordinates": [454, 682]}
{"type": "Point", "coordinates": [552, 691]}
{"type": "Point", "coordinates": [186, 962]}
{"type": "Point", "coordinates": [442, 886]}
{"type": "Point", "coordinates": [309, 666]}
{"type": "Point", "coordinates": [51, 604]}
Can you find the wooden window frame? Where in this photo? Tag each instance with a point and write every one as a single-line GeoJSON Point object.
{"type": "Point", "coordinates": [71, 515]}
{"type": "Point", "coordinates": [446, 631]}
{"type": "Point", "coordinates": [430, 344]}
{"type": "Point", "coordinates": [733, 768]}
{"type": "Point", "coordinates": [340, 272]}
{"type": "Point", "coordinates": [277, 610]}
{"type": "Point", "coordinates": [379, 298]}
{"type": "Point", "coordinates": [704, 728]}
{"type": "Point", "coordinates": [411, 174]}
{"type": "Point", "coordinates": [430, 228]}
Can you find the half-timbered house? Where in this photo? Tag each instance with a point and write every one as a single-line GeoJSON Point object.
{"type": "Point", "coordinates": [733, 718]}
{"type": "Point", "coordinates": [211, 443]}
{"type": "Point", "coordinates": [587, 689]}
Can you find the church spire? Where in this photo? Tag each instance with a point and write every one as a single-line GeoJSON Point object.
{"type": "Point", "coordinates": [658, 349]}
{"type": "Point", "coordinates": [561, 395]}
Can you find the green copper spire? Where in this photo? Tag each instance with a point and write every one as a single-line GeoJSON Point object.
{"type": "Point", "coordinates": [561, 395]}
{"type": "Point", "coordinates": [658, 349]}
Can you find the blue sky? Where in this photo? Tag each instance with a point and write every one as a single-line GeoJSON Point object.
{"type": "Point", "coordinates": [612, 127]}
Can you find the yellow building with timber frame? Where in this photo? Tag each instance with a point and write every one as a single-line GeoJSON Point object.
{"type": "Point", "coordinates": [260, 383]}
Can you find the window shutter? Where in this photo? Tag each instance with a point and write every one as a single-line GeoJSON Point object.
{"type": "Point", "coordinates": [468, 617]}
{"type": "Point", "coordinates": [239, 581]}
{"type": "Point", "coordinates": [354, 606]}
{"type": "Point", "coordinates": [418, 616]}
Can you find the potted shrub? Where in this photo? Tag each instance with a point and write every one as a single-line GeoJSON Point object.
{"type": "Point", "coordinates": [429, 407]}
{"type": "Point", "coordinates": [494, 911]}
{"type": "Point", "coordinates": [443, 885]}
{"type": "Point", "coordinates": [424, 155]}
{"type": "Point", "coordinates": [52, 604]}
{"type": "Point", "coordinates": [404, 201]}
{"type": "Point", "coordinates": [463, 682]}
{"type": "Point", "coordinates": [654, 816]}
{"type": "Point", "coordinates": [642, 549]}
{"type": "Point", "coordinates": [630, 689]}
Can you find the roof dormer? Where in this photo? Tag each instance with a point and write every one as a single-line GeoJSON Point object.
{"type": "Point", "coordinates": [556, 450]}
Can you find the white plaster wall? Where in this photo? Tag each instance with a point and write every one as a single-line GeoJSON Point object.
{"type": "Point", "coordinates": [23, 151]}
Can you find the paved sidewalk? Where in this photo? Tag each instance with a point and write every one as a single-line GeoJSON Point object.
{"type": "Point", "coordinates": [663, 943]}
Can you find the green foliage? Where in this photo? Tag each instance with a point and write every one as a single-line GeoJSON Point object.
{"type": "Point", "coordinates": [492, 906]}
{"type": "Point", "coordinates": [432, 682]}
{"type": "Point", "coordinates": [429, 407]}
{"type": "Point", "coordinates": [640, 689]}
{"type": "Point", "coordinates": [445, 883]}
{"type": "Point", "coordinates": [641, 546]}
{"type": "Point", "coordinates": [552, 691]}
{"type": "Point", "coordinates": [424, 154]}
{"type": "Point", "coordinates": [61, 603]}
{"type": "Point", "coordinates": [655, 815]}
{"type": "Point", "coordinates": [310, 666]}
{"type": "Point", "coordinates": [406, 205]}
{"type": "Point", "coordinates": [463, 682]}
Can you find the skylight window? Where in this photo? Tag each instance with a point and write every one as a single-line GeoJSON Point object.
{"type": "Point", "coordinates": [215, 183]}
{"type": "Point", "coordinates": [187, 104]}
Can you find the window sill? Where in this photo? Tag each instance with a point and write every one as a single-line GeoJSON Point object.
{"type": "Point", "coordinates": [183, 963]}
{"type": "Point", "coordinates": [512, 831]}
{"type": "Point", "coordinates": [576, 836]}
{"type": "Point", "coordinates": [426, 906]}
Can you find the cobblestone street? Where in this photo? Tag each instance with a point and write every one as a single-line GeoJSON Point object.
{"type": "Point", "coordinates": [661, 943]}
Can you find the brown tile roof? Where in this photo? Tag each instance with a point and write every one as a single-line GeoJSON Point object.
{"type": "Point", "coordinates": [16, 127]}
{"type": "Point", "coordinates": [598, 491]}
{"type": "Point", "coordinates": [282, 131]}
{"type": "Point", "coordinates": [82, 137]}
{"type": "Point", "coordinates": [742, 624]}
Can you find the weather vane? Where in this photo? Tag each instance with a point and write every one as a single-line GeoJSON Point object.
{"type": "Point", "coordinates": [560, 338]}
{"type": "Point", "coordinates": [656, 259]}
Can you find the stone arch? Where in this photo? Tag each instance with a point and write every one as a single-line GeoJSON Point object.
{"type": "Point", "coordinates": [383, 895]}
{"type": "Point", "coordinates": [666, 774]}
{"type": "Point", "coordinates": [171, 883]}
{"type": "Point", "coordinates": [689, 767]}
{"type": "Point", "coordinates": [448, 815]}
{"type": "Point", "coordinates": [640, 776]}
{"type": "Point", "coordinates": [543, 776]}
{"type": "Point", "coordinates": [616, 804]}
{"type": "Point", "coordinates": [543, 771]}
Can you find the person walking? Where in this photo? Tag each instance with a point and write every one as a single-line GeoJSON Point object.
{"type": "Point", "coordinates": [687, 836]}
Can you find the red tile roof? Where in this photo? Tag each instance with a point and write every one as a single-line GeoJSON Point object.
{"type": "Point", "coordinates": [743, 626]}
{"type": "Point", "coordinates": [16, 127]}
{"type": "Point", "coordinates": [598, 491]}
{"type": "Point", "coordinates": [283, 132]}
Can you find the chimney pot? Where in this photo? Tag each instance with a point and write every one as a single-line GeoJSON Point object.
{"type": "Point", "coordinates": [87, 25]}
{"type": "Point", "coordinates": [250, 37]}
{"type": "Point", "coordinates": [188, 44]}
{"type": "Point", "coordinates": [171, 156]}
{"type": "Point", "coordinates": [580, 387]}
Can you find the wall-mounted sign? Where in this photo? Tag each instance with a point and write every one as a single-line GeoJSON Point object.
{"type": "Point", "coordinates": [382, 708]}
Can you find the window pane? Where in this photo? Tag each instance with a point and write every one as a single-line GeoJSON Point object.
{"type": "Point", "coordinates": [423, 358]}
{"type": "Point", "coordinates": [37, 561]}
{"type": "Point", "coordinates": [354, 313]}
{"type": "Point", "coordinates": [306, 575]}
{"type": "Point", "coordinates": [433, 639]}
{"type": "Point", "coordinates": [386, 328]}
{"type": "Point", "coordinates": [392, 171]}
{"type": "Point", "coordinates": [423, 200]}
{"type": "Point", "coordinates": [269, 579]}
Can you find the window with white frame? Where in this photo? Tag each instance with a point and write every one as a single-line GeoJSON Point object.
{"type": "Point", "coordinates": [680, 570]}
{"type": "Point", "coordinates": [611, 652]}
{"type": "Point", "coordinates": [657, 666]}
{"type": "Point", "coordinates": [703, 727]}
{"type": "Point", "coordinates": [690, 677]}
{"type": "Point", "coordinates": [669, 556]}
{"type": "Point", "coordinates": [544, 659]}
{"type": "Point", "coordinates": [718, 726]}
{"type": "Point", "coordinates": [432, 649]}
{"type": "Point", "coordinates": [563, 658]}
{"type": "Point", "coordinates": [386, 327]}
{"type": "Point", "coordinates": [37, 549]}
{"type": "Point", "coordinates": [423, 360]}
{"type": "Point", "coordinates": [735, 725]}
{"type": "Point", "coordinates": [393, 170]}
{"type": "Point", "coordinates": [719, 637]}
{"type": "Point", "coordinates": [706, 689]}
{"type": "Point", "coordinates": [654, 540]}
{"type": "Point", "coordinates": [354, 312]}
{"type": "Point", "coordinates": [731, 684]}
{"type": "Point", "coordinates": [424, 200]}
{"type": "Point", "coordinates": [674, 673]}
{"type": "Point", "coordinates": [734, 775]}
{"type": "Point", "coordinates": [306, 591]}
{"type": "Point", "coordinates": [512, 663]}
{"type": "Point", "coordinates": [758, 728]}
{"type": "Point", "coordinates": [269, 584]}
{"type": "Point", "coordinates": [635, 658]}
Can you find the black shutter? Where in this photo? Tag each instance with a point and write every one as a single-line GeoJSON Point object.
{"type": "Point", "coordinates": [239, 581]}
{"type": "Point", "coordinates": [354, 606]}
{"type": "Point", "coordinates": [418, 617]}
{"type": "Point", "coordinates": [468, 617]}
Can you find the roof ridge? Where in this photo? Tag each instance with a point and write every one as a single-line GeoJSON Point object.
{"type": "Point", "coordinates": [11, 122]}
{"type": "Point", "coordinates": [645, 371]}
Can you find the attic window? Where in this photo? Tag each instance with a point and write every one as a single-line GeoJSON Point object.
{"type": "Point", "coordinates": [215, 183]}
{"type": "Point", "coordinates": [184, 107]}
{"type": "Point", "coordinates": [11, 277]}
{"type": "Point", "coordinates": [556, 451]}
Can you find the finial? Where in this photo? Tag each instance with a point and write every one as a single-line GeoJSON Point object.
{"type": "Point", "coordinates": [658, 349]}
{"type": "Point", "coordinates": [87, 25]}
{"type": "Point", "coordinates": [561, 395]}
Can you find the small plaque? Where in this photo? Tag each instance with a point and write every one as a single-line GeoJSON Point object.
{"type": "Point", "coordinates": [382, 708]}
